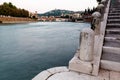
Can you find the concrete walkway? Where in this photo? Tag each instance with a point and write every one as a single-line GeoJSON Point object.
{"type": "Point", "coordinates": [63, 73]}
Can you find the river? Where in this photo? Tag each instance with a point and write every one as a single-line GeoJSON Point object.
{"type": "Point", "coordinates": [27, 49]}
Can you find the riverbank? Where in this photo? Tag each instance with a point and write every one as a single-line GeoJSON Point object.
{"type": "Point", "coordinates": [16, 20]}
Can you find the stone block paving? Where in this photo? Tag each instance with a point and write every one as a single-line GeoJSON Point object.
{"type": "Point", "coordinates": [63, 73]}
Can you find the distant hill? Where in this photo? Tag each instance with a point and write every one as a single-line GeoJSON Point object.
{"type": "Point", "coordinates": [56, 12]}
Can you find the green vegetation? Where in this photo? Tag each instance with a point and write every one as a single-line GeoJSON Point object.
{"type": "Point", "coordinates": [99, 1]}
{"type": "Point", "coordinates": [56, 12]}
{"type": "Point", "coordinates": [89, 11]}
{"type": "Point", "coordinates": [8, 9]}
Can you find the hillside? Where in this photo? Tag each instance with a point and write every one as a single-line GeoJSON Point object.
{"type": "Point", "coordinates": [56, 12]}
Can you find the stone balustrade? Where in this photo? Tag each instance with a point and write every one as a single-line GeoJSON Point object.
{"type": "Point", "coordinates": [87, 58]}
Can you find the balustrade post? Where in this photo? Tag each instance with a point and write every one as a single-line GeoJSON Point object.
{"type": "Point", "coordinates": [104, 2]}
{"type": "Point", "coordinates": [95, 25]}
{"type": "Point", "coordinates": [101, 9]}
{"type": "Point", "coordinates": [86, 45]}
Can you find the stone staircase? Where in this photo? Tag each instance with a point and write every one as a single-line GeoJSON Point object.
{"type": "Point", "coordinates": [111, 49]}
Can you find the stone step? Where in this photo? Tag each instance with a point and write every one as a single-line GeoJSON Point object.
{"type": "Point", "coordinates": [113, 31]}
{"type": "Point", "coordinates": [113, 17]}
{"type": "Point", "coordinates": [114, 14]}
{"type": "Point", "coordinates": [113, 20]}
{"type": "Point", "coordinates": [113, 35]}
{"type": "Point", "coordinates": [111, 56]}
{"type": "Point", "coordinates": [112, 38]}
{"type": "Point", "coordinates": [114, 11]}
{"type": "Point", "coordinates": [112, 25]}
{"type": "Point", "coordinates": [112, 42]}
{"type": "Point", "coordinates": [110, 65]}
{"type": "Point", "coordinates": [114, 6]}
{"type": "Point", "coordinates": [107, 49]}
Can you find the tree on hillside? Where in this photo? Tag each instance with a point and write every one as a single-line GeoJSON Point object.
{"type": "Point", "coordinates": [89, 11]}
{"type": "Point", "coordinates": [11, 5]}
{"type": "Point", "coordinates": [8, 9]}
{"type": "Point", "coordinates": [99, 1]}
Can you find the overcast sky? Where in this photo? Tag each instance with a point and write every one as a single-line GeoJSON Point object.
{"type": "Point", "coordinates": [42, 6]}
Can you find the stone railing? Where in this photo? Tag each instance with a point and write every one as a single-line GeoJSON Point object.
{"type": "Point", "coordinates": [87, 57]}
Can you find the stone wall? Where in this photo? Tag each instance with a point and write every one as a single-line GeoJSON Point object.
{"type": "Point", "coordinates": [14, 19]}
